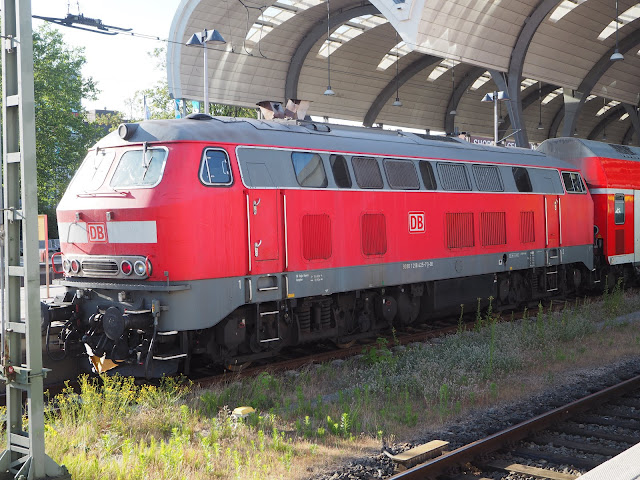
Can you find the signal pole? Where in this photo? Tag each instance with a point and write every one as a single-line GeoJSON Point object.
{"type": "Point", "coordinates": [24, 456]}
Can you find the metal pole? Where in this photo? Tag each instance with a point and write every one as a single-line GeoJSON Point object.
{"type": "Point", "coordinates": [25, 455]}
{"type": "Point", "coordinates": [495, 119]}
{"type": "Point", "coordinates": [206, 74]}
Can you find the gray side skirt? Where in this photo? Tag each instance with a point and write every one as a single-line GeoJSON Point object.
{"type": "Point", "coordinates": [207, 302]}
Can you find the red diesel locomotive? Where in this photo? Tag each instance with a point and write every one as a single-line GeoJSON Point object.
{"type": "Point", "coordinates": [232, 238]}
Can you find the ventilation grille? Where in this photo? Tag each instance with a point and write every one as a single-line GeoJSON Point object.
{"type": "Point", "coordinates": [619, 241]}
{"type": "Point", "coordinates": [374, 234]}
{"type": "Point", "coordinates": [459, 230]}
{"type": "Point", "coordinates": [493, 228]}
{"type": "Point", "coordinates": [367, 172]}
{"type": "Point", "coordinates": [401, 174]}
{"type": "Point", "coordinates": [316, 237]}
{"type": "Point", "coordinates": [623, 149]}
{"type": "Point", "coordinates": [453, 176]}
{"type": "Point", "coordinates": [527, 228]}
{"type": "Point", "coordinates": [488, 178]}
{"type": "Point", "coordinates": [100, 267]}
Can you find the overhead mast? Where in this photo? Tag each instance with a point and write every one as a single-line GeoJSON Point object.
{"type": "Point", "coordinates": [25, 455]}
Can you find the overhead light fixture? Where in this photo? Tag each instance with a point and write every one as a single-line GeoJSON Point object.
{"type": "Point", "coordinates": [201, 40]}
{"type": "Point", "coordinates": [500, 117]}
{"type": "Point", "coordinates": [329, 91]}
{"type": "Point", "coordinates": [616, 56]}
{"type": "Point", "coordinates": [397, 103]}
{"type": "Point", "coordinates": [540, 126]}
{"type": "Point", "coordinates": [453, 86]}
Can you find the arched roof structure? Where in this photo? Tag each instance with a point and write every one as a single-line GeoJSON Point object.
{"type": "Point", "coordinates": [437, 56]}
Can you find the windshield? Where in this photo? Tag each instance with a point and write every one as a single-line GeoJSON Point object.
{"type": "Point", "coordinates": [138, 170]}
{"type": "Point", "coordinates": [93, 170]}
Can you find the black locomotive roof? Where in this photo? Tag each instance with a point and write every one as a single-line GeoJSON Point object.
{"type": "Point", "coordinates": [320, 136]}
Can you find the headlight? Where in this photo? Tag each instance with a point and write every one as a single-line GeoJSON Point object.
{"type": "Point", "coordinates": [75, 266]}
{"type": "Point", "coordinates": [140, 268]}
{"type": "Point", "coordinates": [66, 265]}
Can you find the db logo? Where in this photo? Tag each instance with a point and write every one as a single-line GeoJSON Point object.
{"type": "Point", "coordinates": [416, 222]}
{"type": "Point", "coordinates": [97, 232]}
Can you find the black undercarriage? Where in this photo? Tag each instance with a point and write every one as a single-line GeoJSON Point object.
{"type": "Point", "coordinates": [126, 336]}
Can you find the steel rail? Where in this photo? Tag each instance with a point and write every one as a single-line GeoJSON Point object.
{"type": "Point", "coordinates": [516, 433]}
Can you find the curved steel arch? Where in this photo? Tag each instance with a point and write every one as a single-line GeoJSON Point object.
{"type": "Point", "coordinates": [611, 115]}
{"type": "Point", "coordinates": [387, 92]}
{"type": "Point", "coordinates": [454, 100]}
{"type": "Point", "coordinates": [310, 39]}
{"type": "Point", "coordinates": [516, 64]}
{"type": "Point", "coordinates": [594, 75]}
{"type": "Point", "coordinates": [530, 99]}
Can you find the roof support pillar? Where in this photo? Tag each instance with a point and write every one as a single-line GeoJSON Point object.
{"type": "Point", "coordinates": [573, 102]}
{"type": "Point", "coordinates": [635, 122]}
{"type": "Point", "coordinates": [456, 96]}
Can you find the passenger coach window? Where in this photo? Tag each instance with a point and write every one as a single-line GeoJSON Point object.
{"type": "Point", "coordinates": [367, 172]}
{"type": "Point", "coordinates": [135, 171]}
{"type": "Point", "coordinates": [521, 177]}
{"type": "Point", "coordinates": [309, 169]}
{"type": "Point", "coordinates": [428, 178]}
{"type": "Point", "coordinates": [215, 169]}
{"type": "Point", "coordinates": [401, 174]}
{"type": "Point", "coordinates": [573, 182]}
{"type": "Point", "coordinates": [340, 171]}
{"type": "Point", "coordinates": [618, 206]}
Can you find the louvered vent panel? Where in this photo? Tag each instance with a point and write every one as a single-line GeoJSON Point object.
{"type": "Point", "coordinates": [619, 241]}
{"type": "Point", "coordinates": [459, 230]}
{"type": "Point", "coordinates": [488, 178]}
{"type": "Point", "coordinates": [493, 228]}
{"type": "Point", "coordinates": [374, 234]}
{"type": "Point", "coordinates": [453, 176]}
{"type": "Point", "coordinates": [316, 237]}
{"type": "Point", "coordinates": [401, 174]}
{"type": "Point", "coordinates": [527, 228]}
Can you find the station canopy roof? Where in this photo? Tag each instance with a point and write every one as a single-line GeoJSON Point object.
{"type": "Point", "coordinates": [439, 58]}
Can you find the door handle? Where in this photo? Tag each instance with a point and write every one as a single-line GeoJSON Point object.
{"type": "Point", "coordinates": [256, 245]}
{"type": "Point", "coordinates": [255, 207]}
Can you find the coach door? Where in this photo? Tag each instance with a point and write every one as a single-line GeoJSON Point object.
{"type": "Point", "coordinates": [552, 221]}
{"type": "Point", "coordinates": [263, 226]}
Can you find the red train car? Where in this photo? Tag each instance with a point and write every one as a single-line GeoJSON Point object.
{"type": "Point", "coordinates": [613, 177]}
{"type": "Point", "coordinates": [233, 238]}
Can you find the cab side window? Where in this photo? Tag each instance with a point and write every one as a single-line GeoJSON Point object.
{"type": "Point", "coordinates": [215, 168]}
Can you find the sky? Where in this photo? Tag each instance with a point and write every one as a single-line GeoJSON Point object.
{"type": "Point", "coordinates": [119, 64]}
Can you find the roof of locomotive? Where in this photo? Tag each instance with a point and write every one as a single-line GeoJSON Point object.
{"type": "Point", "coordinates": [321, 136]}
{"type": "Point", "coordinates": [570, 148]}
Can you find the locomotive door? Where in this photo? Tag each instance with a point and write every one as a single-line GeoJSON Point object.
{"type": "Point", "coordinates": [264, 228]}
{"type": "Point", "coordinates": [552, 221]}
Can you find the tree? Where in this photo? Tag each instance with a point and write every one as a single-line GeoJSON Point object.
{"type": "Point", "coordinates": [62, 134]}
{"type": "Point", "coordinates": [161, 105]}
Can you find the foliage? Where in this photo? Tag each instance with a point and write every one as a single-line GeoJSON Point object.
{"type": "Point", "coordinates": [162, 106]}
{"type": "Point", "coordinates": [62, 135]}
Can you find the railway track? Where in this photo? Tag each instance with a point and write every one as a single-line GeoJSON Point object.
{"type": "Point", "coordinates": [558, 445]}
{"type": "Point", "coordinates": [298, 357]}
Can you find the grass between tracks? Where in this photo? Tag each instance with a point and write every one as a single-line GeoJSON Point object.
{"type": "Point", "coordinates": [313, 418]}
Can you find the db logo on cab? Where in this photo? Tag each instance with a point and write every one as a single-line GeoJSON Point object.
{"type": "Point", "coordinates": [416, 222]}
{"type": "Point", "coordinates": [97, 232]}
